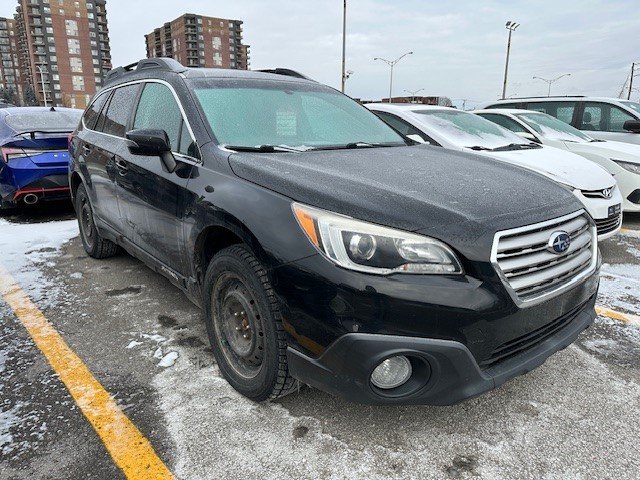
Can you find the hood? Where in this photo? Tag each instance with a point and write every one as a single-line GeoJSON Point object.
{"type": "Point", "coordinates": [442, 193]}
{"type": "Point", "coordinates": [628, 152]}
{"type": "Point", "coordinates": [559, 165]}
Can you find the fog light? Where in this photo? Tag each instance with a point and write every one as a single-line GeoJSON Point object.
{"type": "Point", "coordinates": [392, 372]}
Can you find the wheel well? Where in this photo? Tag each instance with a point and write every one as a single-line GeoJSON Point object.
{"type": "Point", "coordinates": [211, 241]}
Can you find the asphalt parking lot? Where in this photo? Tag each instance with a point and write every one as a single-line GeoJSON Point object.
{"type": "Point", "coordinates": [576, 417]}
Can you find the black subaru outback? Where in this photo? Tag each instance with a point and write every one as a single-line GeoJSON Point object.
{"type": "Point", "coordinates": [321, 245]}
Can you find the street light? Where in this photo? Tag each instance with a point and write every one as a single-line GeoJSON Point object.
{"type": "Point", "coordinates": [344, 75]}
{"type": "Point", "coordinates": [553, 80]}
{"type": "Point", "coordinates": [511, 26]}
{"type": "Point", "coordinates": [392, 63]}
{"type": "Point", "coordinates": [413, 94]}
{"type": "Point", "coordinates": [44, 92]}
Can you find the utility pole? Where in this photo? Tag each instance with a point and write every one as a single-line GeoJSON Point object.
{"type": "Point", "coordinates": [633, 65]}
{"type": "Point", "coordinates": [344, 43]}
{"type": "Point", "coordinates": [511, 26]}
{"type": "Point", "coordinates": [392, 63]}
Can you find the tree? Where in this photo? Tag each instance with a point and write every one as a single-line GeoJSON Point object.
{"type": "Point", "coordinates": [30, 96]}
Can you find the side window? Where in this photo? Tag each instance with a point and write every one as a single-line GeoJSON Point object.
{"type": "Point", "coordinates": [505, 122]}
{"type": "Point", "coordinates": [402, 126]}
{"type": "Point", "coordinates": [91, 115]}
{"type": "Point", "coordinates": [158, 109]}
{"type": "Point", "coordinates": [119, 110]}
{"type": "Point", "coordinates": [604, 117]}
{"type": "Point", "coordinates": [561, 110]}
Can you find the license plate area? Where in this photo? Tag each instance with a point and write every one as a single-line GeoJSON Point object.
{"type": "Point", "coordinates": [614, 210]}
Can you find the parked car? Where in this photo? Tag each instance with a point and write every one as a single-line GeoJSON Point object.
{"type": "Point", "coordinates": [6, 105]}
{"type": "Point", "coordinates": [458, 130]}
{"type": "Point", "coordinates": [34, 164]}
{"type": "Point", "coordinates": [602, 118]}
{"type": "Point", "coordinates": [323, 248]}
{"type": "Point", "coordinates": [622, 160]}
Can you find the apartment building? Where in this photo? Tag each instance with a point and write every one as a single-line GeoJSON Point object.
{"type": "Point", "coordinates": [10, 77]}
{"type": "Point", "coordinates": [200, 41]}
{"type": "Point", "coordinates": [63, 50]}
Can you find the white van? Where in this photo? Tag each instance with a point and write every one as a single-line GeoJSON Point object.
{"type": "Point", "coordinates": [602, 118]}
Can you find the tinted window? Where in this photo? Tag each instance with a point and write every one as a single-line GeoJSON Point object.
{"type": "Point", "coordinates": [401, 126]}
{"type": "Point", "coordinates": [65, 120]}
{"type": "Point", "coordinates": [604, 117]}
{"type": "Point", "coordinates": [561, 110]}
{"type": "Point", "coordinates": [119, 110]}
{"type": "Point", "coordinates": [505, 122]}
{"type": "Point", "coordinates": [91, 115]}
{"type": "Point", "coordinates": [158, 109]}
{"type": "Point", "coordinates": [296, 114]}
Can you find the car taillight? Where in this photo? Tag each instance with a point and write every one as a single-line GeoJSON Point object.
{"type": "Point", "coordinates": [69, 140]}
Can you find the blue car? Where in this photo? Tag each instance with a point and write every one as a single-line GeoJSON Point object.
{"type": "Point", "coordinates": [34, 156]}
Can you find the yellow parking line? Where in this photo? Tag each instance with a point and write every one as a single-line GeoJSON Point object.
{"type": "Point", "coordinates": [130, 449]}
{"type": "Point", "coordinates": [622, 317]}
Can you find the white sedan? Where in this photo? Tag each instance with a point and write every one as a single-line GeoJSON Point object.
{"type": "Point", "coordinates": [458, 130]}
{"type": "Point", "coordinates": [622, 160]}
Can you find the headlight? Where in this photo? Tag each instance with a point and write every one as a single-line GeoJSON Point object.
{"type": "Point", "coordinates": [371, 248]}
{"type": "Point", "coordinates": [630, 167]}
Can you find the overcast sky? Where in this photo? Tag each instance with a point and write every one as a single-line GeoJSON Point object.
{"type": "Point", "coordinates": [459, 46]}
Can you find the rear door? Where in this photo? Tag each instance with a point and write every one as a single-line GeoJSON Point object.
{"type": "Point", "coordinates": [152, 200]}
{"type": "Point", "coordinates": [101, 148]}
{"type": "Point", "coordinates": [605, 121]}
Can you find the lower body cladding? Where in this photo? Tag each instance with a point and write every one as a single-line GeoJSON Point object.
{"type": "Point", "coordinates": [387, 359]}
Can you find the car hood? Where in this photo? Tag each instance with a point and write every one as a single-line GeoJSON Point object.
{"type": "Point", "coordinates": [559, 165]}
{"type": "Point", "coordinates": [628, 152]}
{"type": "Point", "coordinates": [456, 197]}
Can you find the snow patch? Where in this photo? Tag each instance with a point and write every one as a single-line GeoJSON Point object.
{"type": "Point", "coordinates": [168, 360]}
{"type": "Point", "coordinates": [133, 344]}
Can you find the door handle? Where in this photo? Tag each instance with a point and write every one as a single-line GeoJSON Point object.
{"type": "Point", "coordinates": [121, 165]}
{"type": "Point", "coordinates": [86, 149]}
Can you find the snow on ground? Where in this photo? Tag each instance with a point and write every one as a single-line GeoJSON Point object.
{"type": "Point", "coordinates": [27, 247]}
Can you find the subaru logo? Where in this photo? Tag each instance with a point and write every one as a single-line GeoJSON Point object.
{"type": "Point", "coordinates": [559, 242]}
{"type": "Point", "coordinates": [606, 193]}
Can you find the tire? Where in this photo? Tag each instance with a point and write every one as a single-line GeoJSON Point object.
{"type": "Point", "coordinates": [94, 244]}
{"type": "Point", "coordinates": [244, 324]}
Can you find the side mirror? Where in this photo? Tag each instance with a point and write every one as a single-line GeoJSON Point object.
{"type": "Point", "coordinates": [417, 138]}
{"type": "Point", "coordinates": [152, 142]}
{"type": "Point", "coordinates": [528, 136]}
{"type": "Point", "coordinates": [632, 126]}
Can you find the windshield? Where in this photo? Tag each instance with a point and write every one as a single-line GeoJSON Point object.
{"type": "Point", "coordinates": [266, 113]}
{"type": "Point", "coordinates": [552, 128]}
{"type": "Point", "coordinates": [44, 121]}
{"type": "Point", "coordinates": [633, 105]}
{"type": "Point", "coordinates": [467, 129]}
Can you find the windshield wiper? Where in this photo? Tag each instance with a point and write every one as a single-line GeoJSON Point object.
{"type": "Point", "coordinates": [516, 146]}
{"type": "Point", "coordinates": [352, 145]}
{"type": "Point", "coordinates": [479, 147]}
{"type": "Point", "coordinates": [265, 148]}
{"type": "Point", "coordinates": [593, 140]}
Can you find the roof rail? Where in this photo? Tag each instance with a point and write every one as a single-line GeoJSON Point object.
{"type": "Point", "coordinates": [284, 71]}
{"type": "Point", "coordinates": [167, 64]}
{"type": "Point", "coordinates": [542, 96]}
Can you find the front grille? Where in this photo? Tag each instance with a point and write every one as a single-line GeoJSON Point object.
{"type": "Point", "coordinates": [606, 225]}
{"type": "Point", "coordinates": [529, 340]}
{"type": "Point", "coordinates": [598, 193]}
{"type": "Point", "coordinates": [531, 271]}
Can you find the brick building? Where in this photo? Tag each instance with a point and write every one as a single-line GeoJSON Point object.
{"type": "Point", "coordinates": [10, 77]}
{"type": "Point", "coordinates": [63, 50]}
{"type": "Point", "coordinates": [199, 41]}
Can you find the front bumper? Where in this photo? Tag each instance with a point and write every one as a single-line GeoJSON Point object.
{"type": "Point", "coordinates": [448, 373]}
{"type": "Point", "coordinates": [608, 224]}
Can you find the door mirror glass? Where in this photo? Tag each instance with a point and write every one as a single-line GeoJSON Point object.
{"type": "Point", "coordinates": [632, 126]}
{"type": "Point", "coordinates": [148, 142]}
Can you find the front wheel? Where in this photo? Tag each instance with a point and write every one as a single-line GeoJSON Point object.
{"type": "Point", "coordinates": [244, 324]}
{"type": "Point", "coordinates": [94, 244]}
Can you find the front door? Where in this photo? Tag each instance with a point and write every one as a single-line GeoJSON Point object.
{"type": "Point", "coordinates": [151, 198]}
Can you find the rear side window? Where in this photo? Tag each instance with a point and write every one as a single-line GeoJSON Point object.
{"type": "Point", "coordinates": [505, 122]}
{"type": "Point", "coordinates": [92, 113]}
{"type": "Point", "coordinates": [561, 110]}
{"type": "Point", "coordinates": [604, 117]}
{"type": "Point", "coordinates": [158, 109]}
{"type": "Point", "coordinates": [119, 110]}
